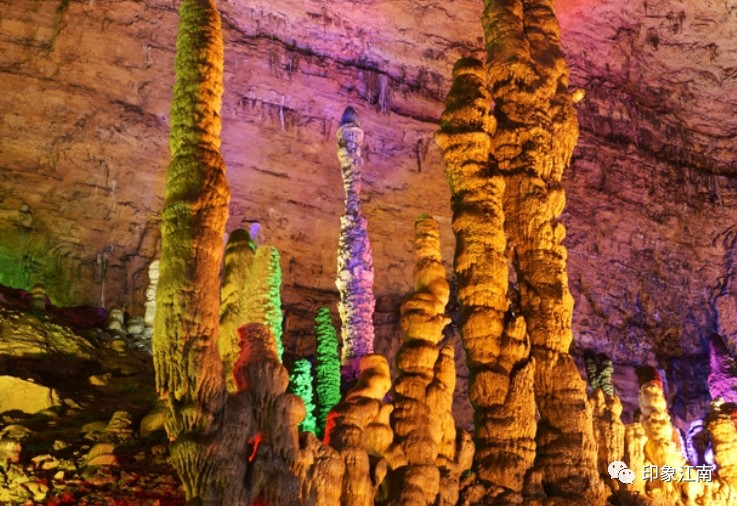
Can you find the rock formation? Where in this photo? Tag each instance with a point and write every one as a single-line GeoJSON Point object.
{"type": "Point", "coordinates": [537, 129]}
{"type": "Point", "coordinates": [494, 338]}
{"type": "Point", "coordinates": [422, 418]}
{"type": "Point", "coordinates": [189, 372]}
{"type": "Point", "coordinates": [327, 368]}
{"type": "Point", "coordinates": [300, 384]}
{"type": "Point", "coordinates": [355, 279]}
{"type": "Point", "coordinates": [358, 427]}
{"type": "Point", "coordinates": [150, 305]}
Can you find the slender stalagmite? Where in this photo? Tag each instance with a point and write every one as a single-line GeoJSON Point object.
{"type": "Point", "coordinates": [188, 367]}
{"type": "Point", "coordinates": [239, 255]}
{"type": "Point", "coordinates": [418, 420]}
{"type": "Point", "coordinates": [355, 265]}
{"type": "Point", "coordinates": [494, 337]}
{"type": "Point", "coordinates": [536, 132]}
{"type": "Point", "coordinates": [327, 368]}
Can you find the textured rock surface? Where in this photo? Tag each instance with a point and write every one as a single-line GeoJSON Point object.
{"type": "Point", "coordinates": [86, 91]}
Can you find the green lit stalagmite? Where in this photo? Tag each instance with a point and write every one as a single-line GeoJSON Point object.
{"type": "Point", "coordinates": [327, 367]}
{"type": "Point", "coordinates": [239, 257]}
{"type": "Point", "coordinates": [300, 383]}
{"type": "Point", "coordinates": [189, 371]}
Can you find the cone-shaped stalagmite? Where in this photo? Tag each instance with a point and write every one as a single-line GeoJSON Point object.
{"type": "Point", "coordinates": [536, 132]}
{"type": "Point", "coordinates": [355, 265]}
{"type": "Point", "coordinates": [494, 337]}
{"type": "Point", "coordinates": [327, 367]}
{"type": "Point", "coordinates": [422, 418]}
{"type": "Point", "coordinates": [238, 262]}
{"type": "Point", "coordinates": [188, 367]}
{"type": "Point", "coordinates": [300, 383]}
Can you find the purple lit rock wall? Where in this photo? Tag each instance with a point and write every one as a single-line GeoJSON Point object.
{"type": "Point", "coordinates": [652, 196]}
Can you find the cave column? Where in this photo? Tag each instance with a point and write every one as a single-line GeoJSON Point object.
{"type": "Point", "coordinates": [495, 339]}
{"type": "Point", "coordinates": [355, 264]}
{"type": "Point", "coordinates": [536, 133]}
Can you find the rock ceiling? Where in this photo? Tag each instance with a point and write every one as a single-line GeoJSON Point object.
{"type": "Point", "coordinates": [652, 195]}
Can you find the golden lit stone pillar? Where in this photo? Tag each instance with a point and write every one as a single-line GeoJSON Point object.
{"type": "Point", "coordinates": [661, 447]}
{"type": "Point", "coordinates": [189, 371]}
{"type": "Point", "coordinates": [495, 339]}
{"type": "Point", "coordinates": [536, 132]}
{"type": "Point", "coordinates": [420, 415]}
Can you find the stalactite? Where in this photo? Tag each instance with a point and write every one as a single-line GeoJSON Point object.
{"type": "Point", "coordinates": [423, 393]}
{"type": "Point", "coordinates": [300, 382]}
{"type": "Point", "coordinates": [494, 338]}
{"type": "Point", "coordinates": [533, 143]}
{"type": "Point", "coordinates": [327, 367]}
{"type": "Point", "coordinates": [188, 368]}
{"type": "Point", "coordinates": [355, 265]}
{"type": "Point", "coordinates": [239, 258]}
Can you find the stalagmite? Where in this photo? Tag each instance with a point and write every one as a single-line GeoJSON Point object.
{"type": "Point", "coordinates": [355, 265]}
{"type": "Point", "coordinates": [723, 435]}
{"type": "Point", "coordinates": [494, 338]}
{"type": "Point", "coordinates": [423, 393]}
{"type": "Point", "coordinates": [661, 448]}
{"type": "Point", "coordinates": [358, 427]}
{"type": "Point", "coordinates": [327, 367]}
{"type": "Point", "coordinates": [607, 410]}
{"type": "Point", "coordinates": [536, 131]}
{"type": "Point", "coordinates": [239, 256]}
{"type": "Point", "coordinates": [263, 292]}
{"type": "Point", "coordinates": [150, 313]}
{"type": "Point", "coordinates": [300, 384]}
{"type": "Point", "coordinates": [188, 369]}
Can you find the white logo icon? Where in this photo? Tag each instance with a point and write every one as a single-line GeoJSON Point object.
{"type": "Point", "coordinates": [618, 471]}
{"type": "Point", "coordinates": [627, 476]}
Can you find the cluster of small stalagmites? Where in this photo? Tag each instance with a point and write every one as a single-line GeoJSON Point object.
{"type": "Point", "coordinates": [126, 330]}
{"type": "Point", "coordinates": [422, 419]}
{"type": "Point", "coordinates": [358, 427]}
{"type": "Point", "coordinates": [355, 264]}
{"type": "Point", "coordinates": [609, 430]}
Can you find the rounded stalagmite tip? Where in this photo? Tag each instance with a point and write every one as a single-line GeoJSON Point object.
{"type": "Point", "coordinates": [350, 116]}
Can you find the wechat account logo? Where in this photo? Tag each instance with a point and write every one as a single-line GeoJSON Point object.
{"type": "Point", "coordinates": [618, 470]}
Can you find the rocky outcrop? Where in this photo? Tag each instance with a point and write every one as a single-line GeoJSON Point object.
{"type": "Point", "coordinates": [358, 427]}
{"type": "Point", "coordinates": [355, 279]}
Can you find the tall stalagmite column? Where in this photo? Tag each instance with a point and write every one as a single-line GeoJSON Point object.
{"type": "Point", "coordinates": [188, 368]}
{"type": "Point", "coordinates": [355, 265]}
{"type": "Point", "coordinates": [422, 414]}
{"type": "Point", "coordinates": [494, 336]}
{"type": "Point", "coordinates": [537, 131]}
